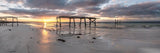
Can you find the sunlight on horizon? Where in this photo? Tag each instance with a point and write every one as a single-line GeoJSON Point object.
{"type": "Point", "coordinates": [53, 19]}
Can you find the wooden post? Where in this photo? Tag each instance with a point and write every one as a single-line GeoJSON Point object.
{"type": "Point", "coordinates": [70, 25]}
{"type": "Point", "coordinates": [74, 30]}
{"type": "Point", "coordinates": [69, 22]}
{"type": "Point", "coordinates": [6, 21]}
{"type": "Point", "coordinates": [74, 22]}
{"type": "Point", "coordinates": [115, 22]}
{"type": "Point", "coordinates": [80, 22]}
{"type": "Point", "coordinates": [12, 21]}
{"type": "Point", "coordinates": [80, 26]}
{"type": "Point", "coordinates": [94, 22]}
{"type": "Point", "coordinates": [17, 21]}
{"type": "Point", "coordinates": [90, 22]}
{"type": "Point", "coordinates": [60, 22]}
{"type": "Point", "coordinates": [85, 22]}
{"type": "Point", "coordinates": [57, 22]}
{"type": "Point", "coordinates": [57, 31]}
{"type": "Point", "coordinates": [60, 31]}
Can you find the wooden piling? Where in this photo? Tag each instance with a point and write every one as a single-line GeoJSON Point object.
{"type": "Point", "coordinates": [74, 22]}
{"type": "Point", "coordinates": [12, 21]}
{"type": "Point", "coordinates": [85, 22]}
{"type": "Point", "coordinates": [60, 22]}
{"type": "Point", "coordinates": [95, 22]}
{"type": "Point", "coordinates": [80, 22]}
{"type": "Point", "coordinates": [90, 20]}
{"type": "Point", "coordinates": [56, 21]}
{"type": "Point", "coordinates": [17, 21]}
{"type": "Point", "coordinates": [69, 22]}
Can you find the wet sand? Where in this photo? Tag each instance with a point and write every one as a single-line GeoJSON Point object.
{"type": "Point", "coordinates": [34, 38]}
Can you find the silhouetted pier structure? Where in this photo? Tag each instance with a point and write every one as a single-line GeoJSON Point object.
{"type": "Point", "coordinates": [12, 20]}
{"type": "Point", "coordinates": [91, 20]}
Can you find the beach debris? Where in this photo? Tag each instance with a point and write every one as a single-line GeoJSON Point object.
{"type": "Point", "coordinates": [53, 29]}
{"type": "Point", "coordinates": [94, 38]}
{"type": "Point", "coordinates": [9, 29]}
{"type": "Point", "coordinates": [62, 40]}
{"type": "Point", "coordinates": [62, 34]}
{"type": "Point", "coordinates": [32, 29]}
{"type": "Point", "coordinates": [28, 49]}
{"type": "Point", "coordinates": [30, 37]}
{"type": "Point", "coordinates": [37, 42]}
{"type": "Point", "coordinates": [91, 41]}
{"type": "Point", "coordinates": [78, 36]}
{"type": "Point", "coordinates": [146, 26]}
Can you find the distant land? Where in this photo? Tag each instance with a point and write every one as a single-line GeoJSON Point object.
{"type": "Point", "coordinates": [97, 22]}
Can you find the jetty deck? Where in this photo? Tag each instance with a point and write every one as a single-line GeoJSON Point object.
{"type": "Point", "coordinates": [91, 20]}
{"type": "Point", "coordinates": [5, 19]}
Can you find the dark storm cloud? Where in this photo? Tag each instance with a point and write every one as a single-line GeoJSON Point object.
{"type": "Point", "coordinates": [86, 3]}
{"type": "Point", "coordinates": [63, 4]}
{"type": "Point", "coordinates": [87, 6]}
{"type": "Point", "coordinates": [31, 12]}
{"type": "Point", "coordinates": [14, 11]}
{"type": "Point", "coordinates": [50, 4]}
{"type": "Point", "coordinates": [34, 12]}
{"type": "Point", "coordinates": [151, 9]}
{"type": "Point", "coordinates": [94, 10]}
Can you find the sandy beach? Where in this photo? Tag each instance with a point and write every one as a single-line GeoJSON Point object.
{"type": "Point", "coordinates": [46, 38]}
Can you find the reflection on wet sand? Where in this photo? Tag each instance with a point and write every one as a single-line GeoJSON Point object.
{"type": "Point", "coordinates": [45, 36]}
{"type": "Point", "coordinates": [44, 41]}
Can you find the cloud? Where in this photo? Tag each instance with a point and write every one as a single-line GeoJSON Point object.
{"type": "Point", "coordinates": [94, 10]}
{"type": "Point", "coordinates": [63, 4]}
{"type": "Point", "coordinates": [35, 13]}
{"type": "Point", "coordinates": [82, 8]}
{"type": "Point", "coordinates": [84, 3]}
{"type": "Point", "coordinates": [50, 4]}
{"type": "Point", "coordinates": [87, 6]}
{"type": "Point", "coordinates": [151, 9]}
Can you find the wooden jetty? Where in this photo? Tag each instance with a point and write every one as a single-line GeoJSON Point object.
{"type": "Point", "coordinates": [5, 19]}
{"type": "Point", "coordinates": [91, 20]}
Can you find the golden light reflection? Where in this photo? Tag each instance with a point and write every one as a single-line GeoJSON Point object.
{"type": "Point", "coordinates": [45, 34]}
{"type": "Point", "coordinates": [45, 40]}
{"type": "Point", "coordinates": [45, 25]}
{"type": "Point", "coordinates": [45, 37]}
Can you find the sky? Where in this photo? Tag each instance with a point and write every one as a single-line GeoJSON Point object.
{"type": "Point", "coordinates": [106, 10]}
